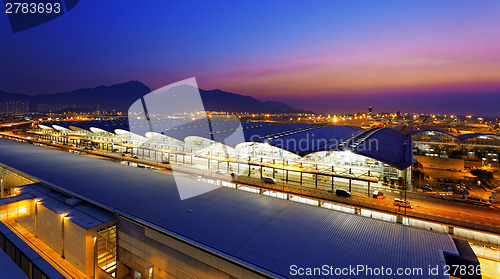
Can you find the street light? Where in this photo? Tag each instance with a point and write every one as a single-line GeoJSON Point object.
{"type": "Point", "coordinates": [151, 269]}
{"type": "Point", "coordinates": [37, 201]}
{"type": "Point", "coordinates": [283, 178]}
{"type": "Point", "coordinates": [2, 187]}
{"type": "Point", "coordinates": [63, 216]}
{"type": "Point", "coordinates": [95, 253]}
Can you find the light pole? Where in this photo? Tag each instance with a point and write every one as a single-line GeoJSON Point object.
{"type": "Point", "coordinates": [283, 178]}
{"type": "Point", "coordinates": [261, 162]}
{"type": "Point", "coordinates": [94, 237]}
{"type": "Point", "coordinates": [404, 185]}
{"type": "Point", "coordinates": [405, 199]}
{"type": "Point", "coordinates": [249, 166]}
{"type": "Point", "coordinates": [37, 201]}
{"type": "Point", "coordinates": [63, 216]}
{"type": "Point", "coordinates": [2, 187]}
{"type": "Point", "coordinates": [150, 269]}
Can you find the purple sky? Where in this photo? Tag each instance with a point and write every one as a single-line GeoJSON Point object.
{"type": "Point", "coordinates": [416, 55]}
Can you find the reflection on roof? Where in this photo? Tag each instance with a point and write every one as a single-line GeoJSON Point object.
{"type": "Point", "coordinates": [387, 145]}
{"type": "Point", "coordinates": [265, 233]}
{"type": "Point", "coordinates": [478, 135]}
{"type": "Point", "coordinates": [462, 137]}
{"type": "Point", "coordinates": [82, 214]}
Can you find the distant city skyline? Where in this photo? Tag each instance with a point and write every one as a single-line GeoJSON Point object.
{"type": "Point", "coordinates": [326, 56]}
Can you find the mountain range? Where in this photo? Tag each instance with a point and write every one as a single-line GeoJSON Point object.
{"type": "Point", "coordinates": [119, 97]}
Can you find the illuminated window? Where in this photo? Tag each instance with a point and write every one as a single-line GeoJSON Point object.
{"type": "Point", "coordinates": [14, 210]}
{"type": "Point", "coordinates": [106, 250]}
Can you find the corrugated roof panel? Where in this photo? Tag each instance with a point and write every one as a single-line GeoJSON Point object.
{"type": "Point", "coordinates": [388, 146]}
{"type": "Point", "coordinates": [85, 215]}
{"type": "Point", "coordinates": [318, 138]}
{"type": "Point", "coordinates": [269, 233]}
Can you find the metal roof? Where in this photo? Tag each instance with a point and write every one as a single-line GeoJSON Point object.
{"type": "Point", "coordinates": [434, 132]}
{"type": "Point", "coordinates": [387, 145]}
{"type": "Point", "coordinates": [20, 197]}
{"type": "Point", "coordinates": [461, 137]}
{"type": "Point", "coordinates": [476, 135]}
{"type": "Point", "coordinates": [84, 214]}
{"type": "Point", "coordinates": [8, 269]}
{"type": "Point", "coordinates": [265, 233]}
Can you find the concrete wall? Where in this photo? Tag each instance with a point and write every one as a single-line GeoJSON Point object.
{"type": "Point", "coordinates": [28, 222]}
{"type": "Point", "coordinates": [13, 179]}
{"type": "Point", "coordinates": [49, 230]}
{"type": "Point", "coordinates": [101, 274]}
{"type": "Point", "coordinates": [75, 245]}
{"type": "Point", "coordinates": [78, 242]}
{"type": "Point", "coordinates": [140, 247]}
{"type": "Point", "coordinates": [441, 163]}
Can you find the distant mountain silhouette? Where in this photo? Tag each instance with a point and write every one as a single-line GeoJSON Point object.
{"type": "Point", "coordinates": [218, 100]}
{"type": "Point", "coordinates": [4, 96]}
{"type": "Point", "coordinates": [119, 97]}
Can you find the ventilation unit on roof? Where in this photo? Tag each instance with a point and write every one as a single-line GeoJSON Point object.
{"type": "Point", "coordinates": [73, 202]}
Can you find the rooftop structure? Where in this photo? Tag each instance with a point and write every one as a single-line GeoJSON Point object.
{"type": "Point", "coordinates": [383, 144]}
{"type": "Point", "coordinates": [263, 234]}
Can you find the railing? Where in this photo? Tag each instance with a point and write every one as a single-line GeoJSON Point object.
{"type": "Point", "coordinates": [467, 230]}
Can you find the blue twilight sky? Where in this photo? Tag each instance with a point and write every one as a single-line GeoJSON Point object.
{"type": "Point", "coordinates": [334, 56]}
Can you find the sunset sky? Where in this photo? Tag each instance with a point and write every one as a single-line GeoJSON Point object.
{"type": "Point", "coordinates": [331, 56]}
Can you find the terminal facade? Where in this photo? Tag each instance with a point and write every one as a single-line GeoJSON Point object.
{"type": "Point", "coordinates": [309, 155]}
{"type": "Point", "coordinates": [100, 219]}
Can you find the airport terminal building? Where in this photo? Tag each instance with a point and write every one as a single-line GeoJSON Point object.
{"type": "Point", "coordinates": [318, 156]}
{"type": "Point", "coordinates": [474, 146]}
{"type": "Point", "coordinates": [108, 220]}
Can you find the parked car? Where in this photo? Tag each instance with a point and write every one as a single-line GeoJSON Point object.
{"type": "Point", "coordinates": [269, 180]}
{"type": "Point", "coordinates": [378, 195]}
{"type": "Point", "coordinates": [477, 201]}
{"type": "Point", "coordinates": [427, 188]}
{"type": "Point", "coordinates": [402, 203]}
{"type": "Point", "coordinates": [220, 172]}
{"type": "Point", "coordinates": [343, 193]}
{"type": "Point", "coordinates": [459, 190]}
